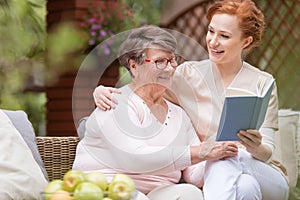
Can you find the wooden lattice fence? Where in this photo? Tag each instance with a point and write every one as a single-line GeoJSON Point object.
{"type": "Point", "coordinates": [279, 52]}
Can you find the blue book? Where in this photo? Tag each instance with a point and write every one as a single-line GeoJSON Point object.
{"type": "Point", "coordinates": [242, 110]}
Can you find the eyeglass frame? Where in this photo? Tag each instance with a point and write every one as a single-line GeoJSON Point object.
{"type": "Point", "coordinates": [176, 59]}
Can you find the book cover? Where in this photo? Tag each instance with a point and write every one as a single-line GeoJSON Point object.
{"type": "Point", "coordinates": [242, 110]}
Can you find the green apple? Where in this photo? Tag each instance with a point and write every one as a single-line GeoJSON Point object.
{"type": "Point", "coordinates": [61, 195]}
{"type": "Point", "coordinates": [52, 187]}
{"type": "Point", "coordinates": [125, 178]}
{"type": "Point", "coordinates": [97, 178]}
{"type": "Point", "coordinates": [71, 179]}
{"type": "Point", "coordinates": [119, 190]}
{"type": "Point", "coordinates": [88, 191]}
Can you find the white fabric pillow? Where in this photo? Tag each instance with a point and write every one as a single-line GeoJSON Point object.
{"type": "Point", "coordinates": [20, 175]}
{"type": "Point", "coordinates": [21, 122]}
{"type": "Point", "coordinates": [286, 144]}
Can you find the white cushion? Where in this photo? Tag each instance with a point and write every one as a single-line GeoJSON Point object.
{"type": "Point", "coordinates": [20, 175]}
{"type": "Point", "coordinates": [286, 143]}
{"type": "Point", "coordinates": [21, 122]}
{"type": "Point", "coordinates": [298, 144]}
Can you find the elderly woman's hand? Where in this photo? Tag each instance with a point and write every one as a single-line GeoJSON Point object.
{"type": "Point", "coordinates": [103, 97]}
{"type": "Point", "coordinates": [217, 150]}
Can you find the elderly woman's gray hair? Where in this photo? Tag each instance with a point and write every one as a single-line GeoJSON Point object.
{"type": "Point", "coordinates": [140, 39]}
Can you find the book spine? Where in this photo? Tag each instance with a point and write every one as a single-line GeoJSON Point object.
{"type": "Point", "coordinates": [256, 113]}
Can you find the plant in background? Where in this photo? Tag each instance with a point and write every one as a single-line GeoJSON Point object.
{"type": "Point", "coordinates": [105, 19]}
{"type": "Point", "coordinates": [23, 39]}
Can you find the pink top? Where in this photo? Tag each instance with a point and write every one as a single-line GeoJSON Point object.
{"type": "Point", "coordinates": [130, 140]}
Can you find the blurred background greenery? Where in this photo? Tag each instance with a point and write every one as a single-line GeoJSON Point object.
{"type": "Point", "coordinates": [23, 41]}
{"type": "Point", "coordinates": [27, 48]}
{"type": "Point", "coordinates": [33, 56]}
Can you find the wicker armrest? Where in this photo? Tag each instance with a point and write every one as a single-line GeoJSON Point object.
{"type": "Point", "coordinates": [58, 154]}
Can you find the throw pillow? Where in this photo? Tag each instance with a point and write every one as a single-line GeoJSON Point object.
{"type": "Point", "coordinates": [20, 175]}
{"type": "Point", "coordinates": [20, 120]}
{"type": "Point", "coordinates": [285, 140]}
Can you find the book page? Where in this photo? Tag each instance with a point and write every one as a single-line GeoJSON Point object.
{"type": "Point", "coordinates": [234, 92]}
{"type": "Point", "coordinates": [267, 87]}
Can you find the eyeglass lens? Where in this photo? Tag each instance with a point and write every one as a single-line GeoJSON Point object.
{"type": "Point", "coordinates": [162, 63]}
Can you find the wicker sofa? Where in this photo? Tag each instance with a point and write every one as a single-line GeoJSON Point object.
{"type": "Point", "coordinates": [55, 155]}
{"type": "Point", "coordinates": [58, 153]}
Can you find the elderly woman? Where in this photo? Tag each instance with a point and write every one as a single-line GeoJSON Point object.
{"type": "Point", "coordinates": [146, 136]}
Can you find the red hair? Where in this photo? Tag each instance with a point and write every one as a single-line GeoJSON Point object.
{"type": "Point", "coordinates": [251, 18]}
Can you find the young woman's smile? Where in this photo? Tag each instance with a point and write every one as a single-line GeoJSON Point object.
{"type": "Point", "coordinates": [224, 39]}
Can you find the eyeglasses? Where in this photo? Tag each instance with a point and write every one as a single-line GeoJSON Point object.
{"type": "Point", "coordinates": [163, 62]}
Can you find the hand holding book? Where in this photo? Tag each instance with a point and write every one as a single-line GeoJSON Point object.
{"type": "Point", "coordinates": [242, 110]}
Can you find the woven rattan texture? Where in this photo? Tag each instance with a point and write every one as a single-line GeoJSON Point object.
{"type": "Point", "coordinates": [58, 154]}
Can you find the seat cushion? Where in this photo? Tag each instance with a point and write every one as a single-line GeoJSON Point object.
{"type": "Point", "coordinates": [20, 120]}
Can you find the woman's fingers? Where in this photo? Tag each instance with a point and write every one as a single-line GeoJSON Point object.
{"type": "Point", "coordinates": [224, 149]}
{"type": "Point", "coordinates": [103, 106]}
{"type": "Point", "coordinates": [250, 137]}
{"type": "Point", "coordinates": [229, 149]}
{"type": "Point", "coordinates": [103, 97]}
{"type": "Point", "coordinates": [109, 97]}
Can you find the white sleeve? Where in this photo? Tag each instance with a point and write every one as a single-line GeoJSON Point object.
{"type": "Point", "coordinates": [268, 138]}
